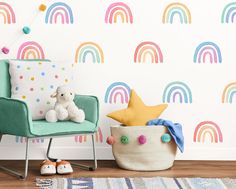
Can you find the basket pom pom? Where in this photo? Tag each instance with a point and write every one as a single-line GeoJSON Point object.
{"type": "Point", "coordinates": [142, 139]}
{"type": "Point", "coordinates": [110, 140]}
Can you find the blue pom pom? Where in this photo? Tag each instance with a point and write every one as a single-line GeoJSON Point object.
{"type": "Point", "coordinates": [26, 30]}
{"type": "Point", "coordinates": [166, 138]}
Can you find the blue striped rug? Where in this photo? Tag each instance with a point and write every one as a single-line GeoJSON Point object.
{"type": "Point", "coordinates": [136, 183]}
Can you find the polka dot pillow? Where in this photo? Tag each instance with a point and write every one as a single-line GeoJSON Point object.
{"type": "Point", "coordinates": [35, 81]}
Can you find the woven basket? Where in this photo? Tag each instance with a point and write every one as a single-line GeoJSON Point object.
{"type": "Point", "coordinates": [150, 156]}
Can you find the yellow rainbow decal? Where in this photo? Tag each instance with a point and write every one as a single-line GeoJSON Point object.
{"type": "Point", "coordinates": [229, 93]}
{"type": "Point", "coordinates": [176, 9]}
{"type": "Point", "coordinates": [89, 48]}
{"type": "Point", "coordinates": [116, 10]}
{"type": "Point", "coordinates": [7, 13]}
{"type": "Point", "coordinates": [207, 129]}
{"type": "Point", "coordinates": [146, 50]}
{"type": "Point", "coordinates": [30, 50]}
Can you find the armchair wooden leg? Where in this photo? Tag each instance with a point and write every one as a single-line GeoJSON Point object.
{"type": "Point", "coordinates": [1, 137]}
{"type": "Point", "coordinates": [19, 175]}
{"type": "Point", "coordinates": [90, 168]}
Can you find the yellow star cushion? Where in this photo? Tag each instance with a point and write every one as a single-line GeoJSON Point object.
{"type": "Point", "coordinates": [137, 113]}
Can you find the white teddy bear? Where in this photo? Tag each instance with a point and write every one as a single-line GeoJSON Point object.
{"type": "Point", "coordinates": [65, 108]}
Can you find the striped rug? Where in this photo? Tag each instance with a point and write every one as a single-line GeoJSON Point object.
{"type": "Point", "coordinates": [136, 183]}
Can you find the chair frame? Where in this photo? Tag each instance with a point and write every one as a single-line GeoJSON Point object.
{"type": "Point", "coordinates": [24, 175]}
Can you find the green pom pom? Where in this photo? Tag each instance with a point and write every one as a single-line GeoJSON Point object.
{"type": "Point", "coordinates": [166, 138]}
{"type": "Point", "coordinates": [124, 140]}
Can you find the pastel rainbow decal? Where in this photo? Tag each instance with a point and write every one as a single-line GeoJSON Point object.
{"type": "Point", "coordinates": [207, 52]}
{"type": "Point", "coordinates": [229, 93]}
{"type": "Point", "coordinates": [178, 9]}
{"type": "Point", "coordinates": [207, 129]}
{"type": "Point", "coordinates": [59, 11]}
{"type": "Point", "coordinates": [177, 92]}
{"type": "Point", "coordinates": [118, 10]}
{"type": "Point", "coordinates": [229, 13]}
{"type": "Point", "coordinates": [30, 50]}
{"type": "Point", "coordinates": [7, 13]}
{"type": "Point", "coordinates": [83, 138]}
{"type": "Point", "coordinates": [89, 48]}
{"type": "Point", "coordinates": [19, 139]}
{"type": "Point", "coordinates": [117, 91]}
{"type": "Point", "coordinates": [148, 50]}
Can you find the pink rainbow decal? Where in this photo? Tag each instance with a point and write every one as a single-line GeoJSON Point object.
{"type": "Point", "coordinates": [30, 50]}
{"type": "Point", "coordinates": [83, 138]}
{"type": "Point", "coordinates": [7, 12]}
{"type": "Point", "coordinates": [118, 9]}
{"type": "Point", "coordinates": [148, 48]}
{"type": "Point", "coordinates": [207, 128]}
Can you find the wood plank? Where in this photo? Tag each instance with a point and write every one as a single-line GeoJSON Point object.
{"type": "Point", "coordinates": [211, 169]}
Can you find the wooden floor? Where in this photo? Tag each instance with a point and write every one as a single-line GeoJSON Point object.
{"type": "Point", "coordinates": [211, 169]}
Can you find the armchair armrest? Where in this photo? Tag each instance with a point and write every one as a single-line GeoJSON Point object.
{"type": "Point", "coordinates": [15, 118]}
{"type": "Point", "coordinates": [90, 105]}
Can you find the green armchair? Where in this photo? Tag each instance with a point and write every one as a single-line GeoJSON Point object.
{"type": "Point", "coordinates": [15, 119]}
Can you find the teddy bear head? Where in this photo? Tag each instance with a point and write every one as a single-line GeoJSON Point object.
{"type": "Point", "coordinates": [64, 94]}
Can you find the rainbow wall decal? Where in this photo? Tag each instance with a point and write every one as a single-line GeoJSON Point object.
{"type": "Point", "coordinates": [7, 13]}
{"type": "Point", "coordinates": [207, 129]}
{"type": "Point", "coordinates": [177, 92]}
{"type": "Point", "coordinates": [23, 140]}
{"type": "Point", "coordinates": [176, 9]}
{"type": "Point", "coordinates": [207, 49]}
{"type": "Point", "coordinates": [147, 50]}
{"type": "Point", "coordinates": [59, 10]}
{"type": "Point", "coordinates": [116, 10]}
{"type": "Point", "coordinates": [229, 93]}
{"type": "Point", "coordinates": [115, 90]}
{"type": "Point", "coordinates": [83, 138]}
{"type": "Point", "coordinates": [229, 13]}
{"type": "Point", "coordinates": [89, 48]}
{"type": "Point", "coordinates": [30, 50]}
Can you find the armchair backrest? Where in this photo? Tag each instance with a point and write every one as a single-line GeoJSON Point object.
{"type": "Point", "coordinates": [5, 86]}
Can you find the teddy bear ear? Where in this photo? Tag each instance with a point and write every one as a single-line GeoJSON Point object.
{"type": "Point", "coordinates": [54, 95]}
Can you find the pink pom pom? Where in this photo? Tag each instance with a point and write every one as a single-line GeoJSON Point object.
{"type": "Point", "coordinates": [142, 139]}
{"type": "Point", "coordinates": [110, 140]}
{"type": "Point", "coordinates": [5, 50]}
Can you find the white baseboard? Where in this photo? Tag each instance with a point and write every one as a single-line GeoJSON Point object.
{"type": "Point", "coordinates": [105, 153]}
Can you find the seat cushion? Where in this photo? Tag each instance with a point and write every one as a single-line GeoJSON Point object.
{"type": "Point", "coordinates": [44, 128]}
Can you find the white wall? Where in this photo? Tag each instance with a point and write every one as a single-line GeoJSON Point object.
{"type": "Point", "coordinates": [118, 41]}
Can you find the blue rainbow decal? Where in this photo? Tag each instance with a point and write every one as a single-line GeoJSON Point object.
{"type": "Point", "coordinates": [61, 10]}
{"type": "Point", "coordinates": [177, 92]}
{"type": "Point", "coordinates": [207, 49]}
{"type": "Point", "coordinates": [229, 13]}
{"type": "Point", "coordinates": [115, 90]}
